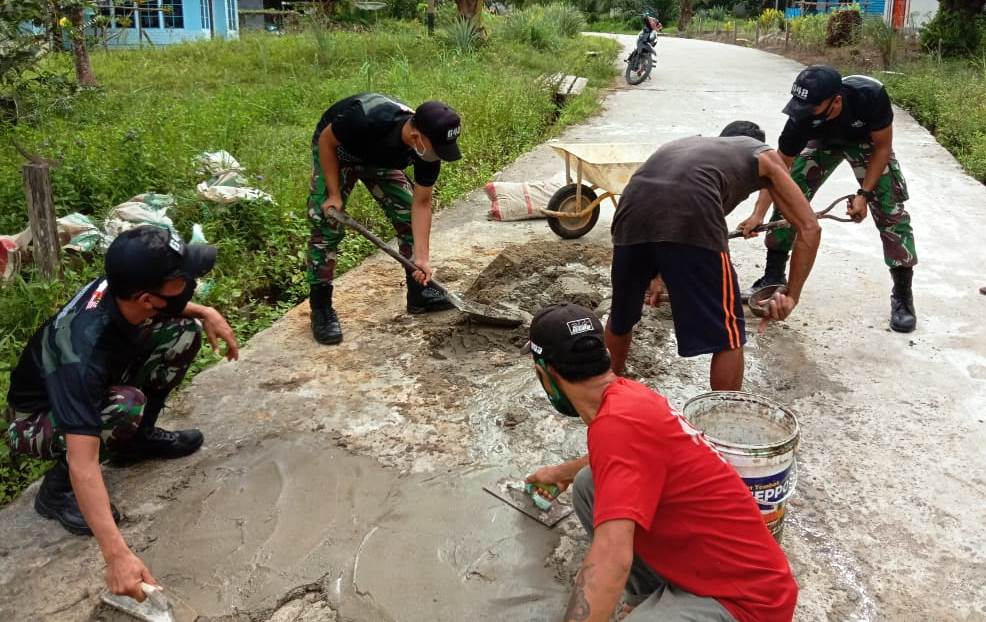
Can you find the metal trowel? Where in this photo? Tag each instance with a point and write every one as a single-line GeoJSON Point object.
{"type": "Point", "coordinates": [514, 493]}
{"type": "Point", "coordinates": [155, 607]}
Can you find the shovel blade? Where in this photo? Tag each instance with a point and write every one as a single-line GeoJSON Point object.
{"type": "Point", "coordinates": [485, 313]}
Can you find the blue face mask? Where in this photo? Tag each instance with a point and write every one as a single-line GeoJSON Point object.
{"type": "Point", "coordinates": [558, 399]}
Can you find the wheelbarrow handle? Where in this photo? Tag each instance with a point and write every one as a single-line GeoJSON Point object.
{"type": "Point", "coordinates": [349, 221]}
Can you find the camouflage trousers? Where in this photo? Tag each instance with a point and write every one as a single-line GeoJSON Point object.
{"type": "Point", "coordinates": [170, 348]}
{"type": "Point", "coordinates": [392, 191]}
{"type": "Point", "coordinates": [816, 164]}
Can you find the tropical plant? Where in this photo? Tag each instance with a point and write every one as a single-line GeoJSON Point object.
{"type": "Point", "coordinates": [770, 19]}
{"type": "Point", "coordinates": [462, 35]}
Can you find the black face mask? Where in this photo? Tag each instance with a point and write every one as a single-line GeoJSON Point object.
{"type": "Point", "coordinates": [175, 304]}
{"type": "Point", "coordinates": [822, 117]}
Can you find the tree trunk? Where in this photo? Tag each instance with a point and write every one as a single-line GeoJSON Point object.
{"type": "Point", "coordinates": [471, 10]}
{"type": "Point", "coordinates": [83, 68]}
{"type": "Point", "coordinates": [684, 14]}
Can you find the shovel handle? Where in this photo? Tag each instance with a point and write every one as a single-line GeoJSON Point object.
{"type": "Point", "coordinates": [349, 221]}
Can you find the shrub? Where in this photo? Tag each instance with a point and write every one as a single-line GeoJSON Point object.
{"type": "Point", "coordinates": [843, 28]}
{"type": "Point", "coordinates": [568, 20]}
{"type": "Point", "coordinates": [953, 33]}
{"type": "Point", "coordinates": [462, 35]}
{"type": "Point", "coordinates": [808, 31]}
{"type": "Point", "coordinates": [880, 35]}
{"type": "Point", "coordinates": [771, 19]}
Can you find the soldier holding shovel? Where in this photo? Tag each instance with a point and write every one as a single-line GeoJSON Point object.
{"type": "Point", "coordinates": [373, 138]}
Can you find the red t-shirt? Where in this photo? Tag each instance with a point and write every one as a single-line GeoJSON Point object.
{"type": "Point", "coordinates": [697, 523]}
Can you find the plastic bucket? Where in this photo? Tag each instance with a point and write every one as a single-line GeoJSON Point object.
{"type": "Point", "coordinates": [759, 438]}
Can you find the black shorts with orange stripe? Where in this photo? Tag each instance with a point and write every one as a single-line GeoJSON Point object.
{"type": "Point", "coordinates": [702, 286]}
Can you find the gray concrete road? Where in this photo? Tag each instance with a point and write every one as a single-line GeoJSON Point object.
{"type": "Point", "coordinates": [345, 483]}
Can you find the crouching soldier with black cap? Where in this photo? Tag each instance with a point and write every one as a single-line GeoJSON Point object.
{"type": "Point", "coordinates": [672, 524]}
{"type": "Point", "coordinates": [93, 379]}
{"type": "Point", "coordinates": [831, 119]}
{"type": "Point", "coordinates": [373, 138]}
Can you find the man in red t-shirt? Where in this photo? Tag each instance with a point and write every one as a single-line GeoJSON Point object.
{"type": "Point", "coordinates": [671, 522]}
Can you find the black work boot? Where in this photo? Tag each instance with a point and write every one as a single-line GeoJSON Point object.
{"type": "Point", "coordinates": [325, 322]}
{"type": "Point", "coordinates": [154, 442]}
{"type": "Point", "coordinates": [421, 299]}
{"type": "Point", "coordinates": [56, 500]}
{"type": "Point", "coordinates": [773, 274]}
{"type": "Point", "coordinates": [902, 317]}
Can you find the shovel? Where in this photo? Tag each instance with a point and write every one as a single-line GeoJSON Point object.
{"type": "Point", "coordinates": [480, 312]}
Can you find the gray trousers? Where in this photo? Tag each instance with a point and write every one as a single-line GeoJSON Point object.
{"type": "Point", "coordinates": [651, 596]}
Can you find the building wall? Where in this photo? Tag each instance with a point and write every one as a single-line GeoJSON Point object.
{"type": "Point", "coordinates": [252, 21]}
{"type": "Point", "coordinates": [196, 25]}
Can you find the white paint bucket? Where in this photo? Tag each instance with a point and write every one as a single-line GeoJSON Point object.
{"type": "Point", "coordinates": [759, 438]}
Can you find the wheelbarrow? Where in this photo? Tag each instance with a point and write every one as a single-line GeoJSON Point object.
{"type": "Point", "coordinates": [601, 171]}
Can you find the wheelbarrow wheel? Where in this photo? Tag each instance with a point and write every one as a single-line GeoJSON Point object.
{"type": "Point", "coordinates": [565, 200]}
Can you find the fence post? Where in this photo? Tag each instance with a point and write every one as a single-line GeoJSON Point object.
{"type": "Point", "coordinates": [41, 215]}
{"type": "Point", "coordinates": [756, 38]}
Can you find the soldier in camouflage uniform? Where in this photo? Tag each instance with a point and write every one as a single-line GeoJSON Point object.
{"type": "Point", "coordinates": [832, 119]}
{"type": "Point", "coordinates": [373, 138]}
{"type": "Point", "coordinates": [93, 379]}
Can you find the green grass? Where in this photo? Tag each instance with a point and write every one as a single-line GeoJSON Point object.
{"type": "Point", "coordinates": [949, 99]}
{"type": "Point", "coordinates": [259, 98]}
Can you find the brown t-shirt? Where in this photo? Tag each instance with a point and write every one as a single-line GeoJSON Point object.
{"type": "Point", "coordinates": [684, 191]}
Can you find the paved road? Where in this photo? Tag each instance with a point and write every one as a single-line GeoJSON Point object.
{"type": "Point", "coordinates": [889, 522]}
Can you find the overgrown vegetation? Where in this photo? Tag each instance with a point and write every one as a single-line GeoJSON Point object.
{"type": "Point", "coordinates": [259, 98]}
{"type": "Point", "coordinates": [947, 98]}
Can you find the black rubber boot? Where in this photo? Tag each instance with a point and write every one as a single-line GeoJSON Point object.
{"type": "Point", "coordinates": [773, 274]}
{"type": "Point", "coordinates": [56, 500]}
{"type": "Point", "coordinates": [902, 317]}
{"type": "Point", "coordinates": [325, 323]}
{"type": "Point", "coordinates": [422, 299]}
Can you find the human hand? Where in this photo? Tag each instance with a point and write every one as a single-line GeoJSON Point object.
{"type": "Point", "coordinates": [556, 475]}
{"type": "Point", "coordinates": [749, 226]}
{"type": "Point", "coordinates": [857, 208]}
{"type": "Point", "coordinates": [334, 201]}
{"type": "Point", "coordinates": [655, 294]}
{"type": "Point", "coordinates": [125, 573]}
{"type": "Point", "coordinates": [775, 309]}
{"type": "Point", "coordinates": [216, 327]}
{"type": "Point", "coordinates": [423, 273]}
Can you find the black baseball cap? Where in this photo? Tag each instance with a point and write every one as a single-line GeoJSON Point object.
{"type": "Point", "coordinates": [442, 126]}
{"type": "Point", "coordinates": [146, 256]}
{"type": "Point", "coordinates": [567, 334]}
{"type": "Point", "coordinates": [813, 85]}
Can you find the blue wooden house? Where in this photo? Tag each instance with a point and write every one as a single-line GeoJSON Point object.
{"type": "Point", "coordinates": [161, 22]}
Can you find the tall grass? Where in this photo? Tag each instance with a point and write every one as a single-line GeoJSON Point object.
{"type": "Point", "coordinates": [543, 27]}
{"type": "Point", "coordinates": [259, 98]}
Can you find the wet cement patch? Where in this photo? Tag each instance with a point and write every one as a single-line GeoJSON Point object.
{"type": "Point", "coordinates": [321, 532]}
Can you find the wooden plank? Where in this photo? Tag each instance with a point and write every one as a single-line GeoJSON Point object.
{"type": "Point", "coordinates": [41, 215]}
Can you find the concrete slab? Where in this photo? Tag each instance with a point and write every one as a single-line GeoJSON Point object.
{"type": "Point", "coordinates": [351, 476]}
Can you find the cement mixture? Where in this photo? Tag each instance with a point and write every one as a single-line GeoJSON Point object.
{"type": "Point", "coordinates": [345, 483]}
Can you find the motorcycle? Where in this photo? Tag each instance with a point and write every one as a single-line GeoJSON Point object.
{"type": "Point", "coordinates": [641, 61]}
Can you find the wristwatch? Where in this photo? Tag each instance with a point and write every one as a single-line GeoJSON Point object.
{"type": "Point", "coordinates": [870, 195]}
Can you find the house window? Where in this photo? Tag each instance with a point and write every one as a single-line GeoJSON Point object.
{"type": "Point", "coordinates": [150, 18]}
{"type": "Point", "coordinates": [204, 8]}
{"type": "Point", "coordinates": [120, 12]}
{"type": "Point", "coordinates": [232, 15]}
{"type": "Point", "coordinates": [172, 11]}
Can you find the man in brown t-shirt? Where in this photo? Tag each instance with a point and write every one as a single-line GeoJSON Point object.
{"type": "Point", "coordinates": [671, 226]}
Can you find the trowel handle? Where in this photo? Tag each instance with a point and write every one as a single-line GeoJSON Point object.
{"type": "Point", "coordinates": [349, 221]}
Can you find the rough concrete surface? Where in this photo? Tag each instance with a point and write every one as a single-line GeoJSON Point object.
{"type": "Point", "coordinates": [345, 483]}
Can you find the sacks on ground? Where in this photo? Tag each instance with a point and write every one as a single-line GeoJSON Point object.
{"type": "Point", "coordinates": [144, 209]}
{"type": "Point", "coordinates": [76, 232]}
{"type": "Point", "coordinates": [519, 200]}
{"type": "Point", "coordinates": [230, 187]}
{"type": "Point", "coordinates": [214, 162]}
